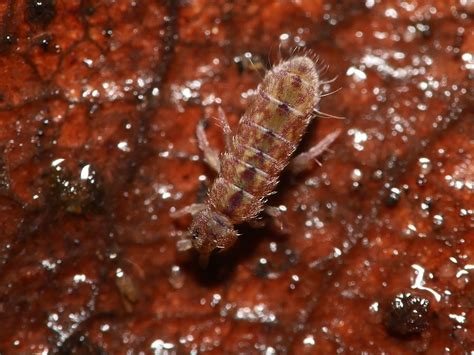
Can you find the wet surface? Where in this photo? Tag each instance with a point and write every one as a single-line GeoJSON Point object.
{"type": "Point", "coordinates": [98, 107]}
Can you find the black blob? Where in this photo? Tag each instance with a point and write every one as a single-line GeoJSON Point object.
{"type": "Point", "coordinates": [284, 107]}
{"type": "Point", "coordinates": [9, 39]}
{"type": "Point", "coordinates": [6, 41]}
{"type": "Point", "coordinates": [407, 315]}
{"type": "Point", "coordinates": [45, 41]}
{"type": "Point", "coordinates": [87, 7]}
{"type": "Point", "coordinates": [40, 12]}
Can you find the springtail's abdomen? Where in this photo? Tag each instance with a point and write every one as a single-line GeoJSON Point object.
{"type": "Point", "coordinates": [267, 135]}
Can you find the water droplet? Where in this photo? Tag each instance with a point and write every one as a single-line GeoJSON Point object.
{"type": "Point", "coordinates": [176, 278]}
{"type": "Point", "coordinates": [421, 181]}
{"type": "Point", "coordinates": [410, 230]}
{"type": "Point", "coordinates": [216, 299]}
{"type": "Point", "coordinates": [393, 197]}
{"type": "Point", "coordinates": [294, 281]}
{"type": "Point", "coordinates": [425, 165]}
{"type": "Point", "coordinates": [309, 340]}
{"type": "Point", "coordinates": [426, 206]}
{"type": "Point", "coordinates": [356, 175]}
{"type": "Point", "coordinates": [377, 175]}
{"type": "Point", "coordinates": [438, 220]}
{"type": "Point", "coordinates": [374, 307]}
{"type": "Point", "coordinates": [161, 347]}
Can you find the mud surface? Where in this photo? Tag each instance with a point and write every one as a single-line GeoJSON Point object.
{"type": "Point", "coordinates": [99, 102]}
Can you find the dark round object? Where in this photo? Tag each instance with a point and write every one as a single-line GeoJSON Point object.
{"type": "Point", "coordinates": [393, 196]}
{"type": "Point", "coordinates": [407, 314]}
{"type": "Point", "coordinates": [40, 11]}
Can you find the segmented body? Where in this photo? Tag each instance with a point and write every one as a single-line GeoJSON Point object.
{"type": "Point", "coordinates": [267, 135]}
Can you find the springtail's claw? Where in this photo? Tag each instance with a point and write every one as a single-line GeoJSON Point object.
{"type": "Point", "coordinates": [191, 209]}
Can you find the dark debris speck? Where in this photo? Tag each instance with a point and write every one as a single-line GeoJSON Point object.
{"type": "Point", "coordinates": [6, 41]}
{"type": "Point", "coordinates": [40, 12]}
{"type": "Point", "coordinates": [407, 314]}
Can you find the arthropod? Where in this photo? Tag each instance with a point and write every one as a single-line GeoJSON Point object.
{"type": "Point", "coordinates": [248, 171]}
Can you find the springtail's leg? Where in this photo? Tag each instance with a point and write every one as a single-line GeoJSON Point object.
{"type": "Point", "coordinates": [191, 209]}
{"type": "Point", "coordinates": [211, 156]}
{"type": "Point", "coordinates": [300, 162]}
{"type": "Point", "coordinates": [257, 223]}
{"type": "Point", "coordinates": [275, 213]}
{"type": "Point", "coordinates": [184, 244]}
{"type": "Point", "coordinates": [224, 124]}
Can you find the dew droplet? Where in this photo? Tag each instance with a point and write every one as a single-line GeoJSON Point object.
{"type": "Point", "coordinates": [393, 196]}
{"type": "Point", "coordinates": [295, 279]}
{"type": "Point", "coordinates": [377, 175]}
{"type": "Point", "coordinates": [176, 278]}
{"type": "Point", "coordinates": [438, 220]}
{"type": "Point", "coordinates": [356, 175]}
{"type": "Point", "coordinates": [309, 340]}
{"type": "Point", "coordinates": [425, 165]}
{"type": "Point", "coordinates": [421, 180]}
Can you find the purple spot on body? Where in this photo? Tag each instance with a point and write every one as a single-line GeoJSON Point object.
{"type": "Point", "coordinates": [234, 201]}
{"type": "Point", "coordinates": [284, 107]}
{"type": "Point", "coordinates": [249, 174]}
{"type": "Point", "coordinates": [296, 82]}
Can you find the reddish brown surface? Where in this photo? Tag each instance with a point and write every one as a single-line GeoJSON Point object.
{"type": "Point", "coordinates": [90, 266]}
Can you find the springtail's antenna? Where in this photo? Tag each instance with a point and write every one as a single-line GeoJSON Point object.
{"type": "Point", "coordinates": [294, 51]}
{"type": "Point", "coordinates": [255, 67]}
{"type": "Point", "coordinates": [324, 69]}
{"type": "Point", "coordinates": [330, 81]}
{"type": "Point", "coordinates": [269, 54]}
{"type": "Point", "coordinates": [327, 115]}
{"type": "Point", "coordinates": [330, 93]}
{"type": "Point", "coordinates": [280, 55]}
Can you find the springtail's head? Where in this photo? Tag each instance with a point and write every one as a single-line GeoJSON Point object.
{"type": "Point", "coordinates": [209, 231]}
